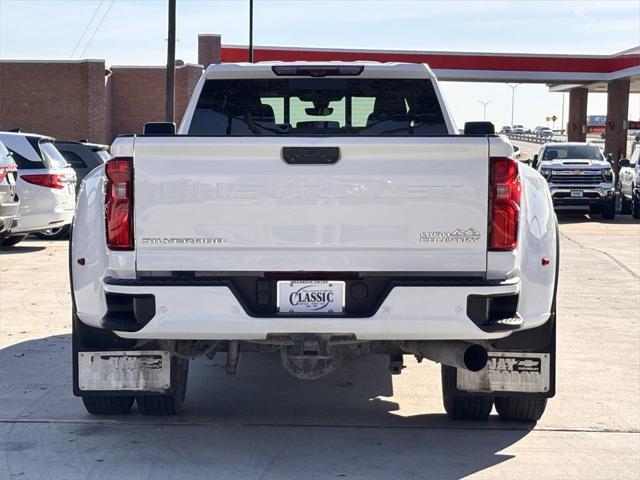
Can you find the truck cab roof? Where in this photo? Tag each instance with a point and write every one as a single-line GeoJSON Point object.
{"type": "Point", "coordinates": [269, 69]}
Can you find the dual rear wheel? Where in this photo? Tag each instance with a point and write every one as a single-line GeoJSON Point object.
{"type": "Point", "coordinates": [155, 404]}
{"type": "Point", "coordinates": [524, 408]}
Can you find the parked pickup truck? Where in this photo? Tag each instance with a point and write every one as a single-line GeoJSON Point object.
{"type": "Point", "coordinates": [318, 213]}
{"type": "Point", "coordinates": [579, 176]}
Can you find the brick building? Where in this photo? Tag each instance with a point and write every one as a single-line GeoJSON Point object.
{"type": "Point", "coordinates": [88, 99]}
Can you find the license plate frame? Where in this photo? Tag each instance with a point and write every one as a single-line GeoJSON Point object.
{"type": "Point", "coordinates": [321, 297]}
{"type": "Point", "coordinates": [577, 194]}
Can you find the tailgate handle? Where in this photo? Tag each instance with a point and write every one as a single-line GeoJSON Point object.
{"type": "Point", "coordinates": [311, 155]}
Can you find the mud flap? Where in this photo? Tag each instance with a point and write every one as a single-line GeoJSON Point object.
{"type": "Point", "coordinates": [520, 372]}
{"type": "Point", "coordinates": [131, 371]}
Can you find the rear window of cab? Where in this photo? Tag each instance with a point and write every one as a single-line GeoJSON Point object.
{"type": "Point", "coordinates": [318, 106]}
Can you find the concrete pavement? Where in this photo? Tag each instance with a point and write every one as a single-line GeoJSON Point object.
{"type": "Point", "coordinates": [359, 423]}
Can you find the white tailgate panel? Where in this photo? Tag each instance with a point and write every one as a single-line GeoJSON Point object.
{"type": "Point", "coordinates": [233, 204]}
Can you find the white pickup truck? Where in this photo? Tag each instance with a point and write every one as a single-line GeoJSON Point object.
{"type": "Point", "coordinates": [319, 212]}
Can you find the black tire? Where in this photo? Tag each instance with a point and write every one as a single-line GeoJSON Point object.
{"type": "Point", "coordinates": [107, 405]}
{"type": "Point", "coordinates": [54, 233]}
{"type": "Point", "coordinates": [609, 210]}
{"type": "Point", "coordinates": [635, 209]}
{"type": "Point", "coordinates": [167, 404]}
{"type": "Point", "coordinates": [13, 240]}
{"type": "Point", "coordinates": [520, 409]}
{"type": "Point", "coordinates": [625, 206]}
{"type": "Point", "coordinates": [463, 407]}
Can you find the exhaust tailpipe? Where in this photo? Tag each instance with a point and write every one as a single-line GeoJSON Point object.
{"type": "Point", "coordinates": [453, 353]}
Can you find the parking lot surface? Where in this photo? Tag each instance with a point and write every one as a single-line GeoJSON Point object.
{"type": "Point", "coordinates": [359, 423]}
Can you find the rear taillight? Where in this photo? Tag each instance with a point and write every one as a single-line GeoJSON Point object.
{"type": "Point", "coordinates": [119, 203]}
{"type": "Point", "coordinates": [3, 173]}
{"type": "Point", "coordinates": [48, 180]}
{"type": "Point", "coordinates": [504, 210]}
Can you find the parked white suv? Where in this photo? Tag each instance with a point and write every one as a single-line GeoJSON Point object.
{"type": "Point", "coordinates": [319, 213]}
{"type": "Point", "coordinates": [45, 185]}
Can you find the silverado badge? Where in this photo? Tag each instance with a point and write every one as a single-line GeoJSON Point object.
{"type": "Point", "coordinates": [459, 235]}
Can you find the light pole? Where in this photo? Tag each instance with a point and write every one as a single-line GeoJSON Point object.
{"type": "Point", "coordinates": [562, 116]}
{"type": "Point", "coordinates": [171, 61]}
{"type": "Point", "coordinates": [484, 108]}
{"type": "Point", "coordinates": [513, 98]}
{"type": "Point", "coordinates": [250, 31]}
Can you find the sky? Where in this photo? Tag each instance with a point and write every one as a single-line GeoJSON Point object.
{"type": "Point", "coordinates": [133, 32]}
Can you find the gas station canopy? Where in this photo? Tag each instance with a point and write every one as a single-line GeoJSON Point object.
{"type": "Point", "coordinates": [560, 72]}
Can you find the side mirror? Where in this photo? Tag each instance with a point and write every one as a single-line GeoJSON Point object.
{"type": "Point", "coordinates": [516, 149]}
{"type": "Point", "coordinates": [479, 128]}
{"type": "Point", "coordinates": [609, 158]}
{"type": "Point", "coordinates": [624, 163]}
{"type": "Point", "coordinates": [159, 128]}
{"type": "Point", "coordinates": [534, 162]}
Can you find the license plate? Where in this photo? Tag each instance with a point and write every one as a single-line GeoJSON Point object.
{"type": "Point", "coordinates": [124, 370]}
{"type": "Point", "coordinates": [298, 296]}
{"type": "Point", "coordinates": [576, 193]}
{"type": "Point", "coordinates": [509, 372]}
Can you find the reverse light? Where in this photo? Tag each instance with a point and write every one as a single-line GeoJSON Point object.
{"type": "Point", "coordinates": [48, 180]}
{"type": "Point", "coordinates": [504, 200]}
{"type": "Point", "coordinates": [118, 206]}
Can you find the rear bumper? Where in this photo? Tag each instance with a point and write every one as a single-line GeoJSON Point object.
{"type": "Point", "coordinates": [57, 218]}
{"type": "Point", "coordinates": [214, 313]}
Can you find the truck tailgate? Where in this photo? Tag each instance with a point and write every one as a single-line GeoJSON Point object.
{"type": "Point", "coordinates": [388, 205]}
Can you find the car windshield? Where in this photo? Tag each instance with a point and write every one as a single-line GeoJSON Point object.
{"type": "Point", "coordinates": [574, 152]}
{"type": "Point", "coordinates": [51, 156]}
{"type": "Point", "coordinates": [318, 106]}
